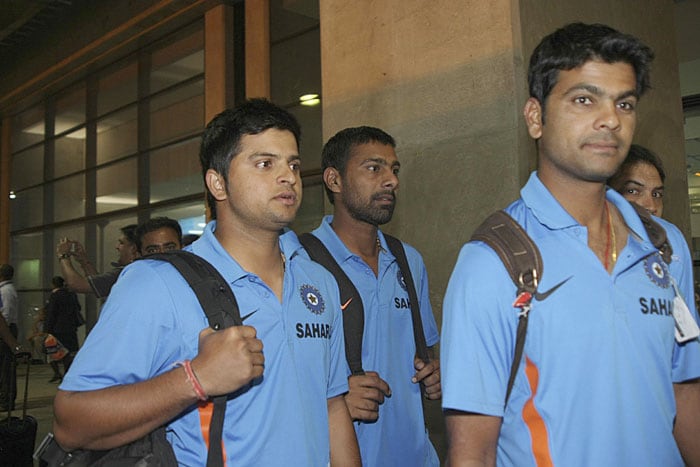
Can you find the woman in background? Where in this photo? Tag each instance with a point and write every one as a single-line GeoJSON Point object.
{"type": "Point", "coordinates": [62, 320]}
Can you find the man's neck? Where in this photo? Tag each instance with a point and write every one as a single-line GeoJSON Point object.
{"type": "Point", "coordinates": [584, 201]}
{"type": "Point", "coordinates": [256, 250]}
{"type": "Point", "coordinates": [587, 203]}
{"type": "Point", "coordinates": [359, 237]}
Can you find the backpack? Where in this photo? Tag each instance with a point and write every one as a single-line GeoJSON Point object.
{"type": "Point", "coordinates": [523, 261]}
{"type": "Point", "coordinates": [353, 311]}
{"type": "Point", "coordinates": [220, 306]}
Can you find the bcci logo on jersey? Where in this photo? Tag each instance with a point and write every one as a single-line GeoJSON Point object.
{"type": "Point", "coordinates": [312, 299]}
{"type": "Point", "coordinates": [402, 282]}
{"type": "Point", "coordinates": [655, 269]}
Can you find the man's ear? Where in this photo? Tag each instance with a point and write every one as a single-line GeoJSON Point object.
{"type": "Point", "coordinates": [533, 114]}
{"type": "Point", "coordinates": [331, 177]}
{"type": "Point", "coordinates": [216, 184]}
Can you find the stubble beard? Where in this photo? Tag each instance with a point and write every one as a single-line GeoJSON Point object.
{"type": "Point", "coordinates": [368, 213]}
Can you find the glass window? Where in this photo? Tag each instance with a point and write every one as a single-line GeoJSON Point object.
{"type": "Point", "coordinates": [27, 128]}
{"type": "Point", "coordinates": [27, 209]}
{"type": "Point", "coordinates": [70, 110]}
{"type": "Point", "coordinates": [117, 89]}
{"type": "Point", "coordinates": [117, 135]}
{"type": "Point", "coordinates": [185, 102]}
{"type": "Point", "coordinates": [295, 71]}
{"type": "Point", "coordinates": [69, 153]}
{"type": "Point", "coordinates": [69, 198]}
{"type": "Point", "coordinates": [312, 138]}
{"type": "Point", "coordinates": [27, 167]}
{"type": "Point", "coordinates": [175, 171]}
{"type": "Point", "coordinates": [181, 59]}
{"type": "Point", "coordinates": [117, 186]}
{"type": "Point", "coordinates": [26, 259]}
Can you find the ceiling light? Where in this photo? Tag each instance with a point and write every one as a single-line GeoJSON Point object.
{"type": "Point", "coordinates": [309, 99]}
{"type": "Point", "coordinates": [12, 195]}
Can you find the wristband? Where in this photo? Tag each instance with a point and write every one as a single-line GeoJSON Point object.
{"type": "Point", "coordinates": [192, 378]}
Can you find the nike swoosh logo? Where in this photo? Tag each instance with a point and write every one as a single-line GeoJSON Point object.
{"type": "Point", "coordinates": [541, 296]}
{"type": "Point", "coordinates": [345, 305]}
{"type": "Point", "coordinates": [243, 318]}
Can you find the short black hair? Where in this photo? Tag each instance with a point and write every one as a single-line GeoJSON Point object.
{"type": "Point", "coordinates": [577, 43]}
{"type": "Point", "coordinates": [337, 149]}
{"type": "Point", "coordinates": [129, 232]}
{"type": "Point", "coordinates": [222, 136]}
{"type": "Point", "coordinates": [58, 282]}
{"type": "Point", "coordinates": [157, 223]}
{"type": "Point", "coordinates": [7, 272]}
{"type": "Point", "coordinates": [639, 155]}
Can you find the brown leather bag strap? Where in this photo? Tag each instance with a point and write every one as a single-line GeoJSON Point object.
{"type": "Point", "coordinates": [517, 251]}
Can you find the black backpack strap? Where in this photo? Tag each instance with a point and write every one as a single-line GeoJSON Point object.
{"type": "Point", "coordinates": [220, 306]}
{"type": "Point", "coordinates": [656, 233]}
{"type": "Point", "coordinates": [523, 261]}
{"type": "Point", "coordinates": [350, 299]}
{"type": "Point", "coordinates": [397, 249]}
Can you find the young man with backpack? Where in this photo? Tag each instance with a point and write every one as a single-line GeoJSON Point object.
{"type": "Point", "coordinates": [360, 171]}
{"type": "Point", "coordinates": [152, 360]}
{"type": "Point", "coordinates": [606, 376]}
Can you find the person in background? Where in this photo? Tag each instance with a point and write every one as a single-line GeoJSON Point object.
{"type": "Point", "coordinates": [640, 179]}
{"type": "Point", "coordinates": [158, 235]}
{"type": "Point", "coordinates": [9, 309]}
{"type": "Point", "coordinates": [62, 321]}
{"type": "Point", "coordinates": [92, 281]}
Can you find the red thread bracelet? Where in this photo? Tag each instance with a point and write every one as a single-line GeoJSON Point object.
{"type": "Point", "coordinates": [192, 378]}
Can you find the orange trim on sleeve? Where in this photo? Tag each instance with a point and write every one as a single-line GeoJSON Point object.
{"type": "Point", "coordinates": [533, 419]}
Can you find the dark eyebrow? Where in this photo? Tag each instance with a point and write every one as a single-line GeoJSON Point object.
{"type": "Point", "coordinates": [636, 183]}
{"type": "Point", "coordinates": [273, 155]}
{"type": "Point", "coordinates": [596, 91]}
{"type": "Point", "coordinates": [381, 161]}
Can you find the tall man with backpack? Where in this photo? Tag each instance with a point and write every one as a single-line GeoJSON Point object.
{"type": "Point", "coordinates": [360, 171]}
{"type": "Point", "coordinates": [609, 365]}
{"type": "Point", "coordinates": [152, 360]}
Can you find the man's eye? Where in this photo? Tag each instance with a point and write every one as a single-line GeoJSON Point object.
{"type": "Point", "coordinates": [628, 106]}
{"type": "Point", "coordinates": [582, 100]}
{"type": "Point", "coordinates": [263, 164]}
{"type": "Point", "coordinates": [295, 166]}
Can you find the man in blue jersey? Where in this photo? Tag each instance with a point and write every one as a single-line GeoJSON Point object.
{"type": "Point", "coordinates": [602, 380]}
{"type": "Point", "coordinates": [360, 171]}
{"type": "Point", "coordinates": [152, 360]}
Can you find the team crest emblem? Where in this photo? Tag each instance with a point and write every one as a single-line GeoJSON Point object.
{"type": "Point", "coordinates": [402, 282]}
{"type": "Point", "coordinates": [312, 299]}
{"type": "Point", "coordinates": [656, 270]}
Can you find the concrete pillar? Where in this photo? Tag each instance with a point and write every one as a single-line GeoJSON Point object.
{"type": "Point", "coordinates": [447, 79]}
